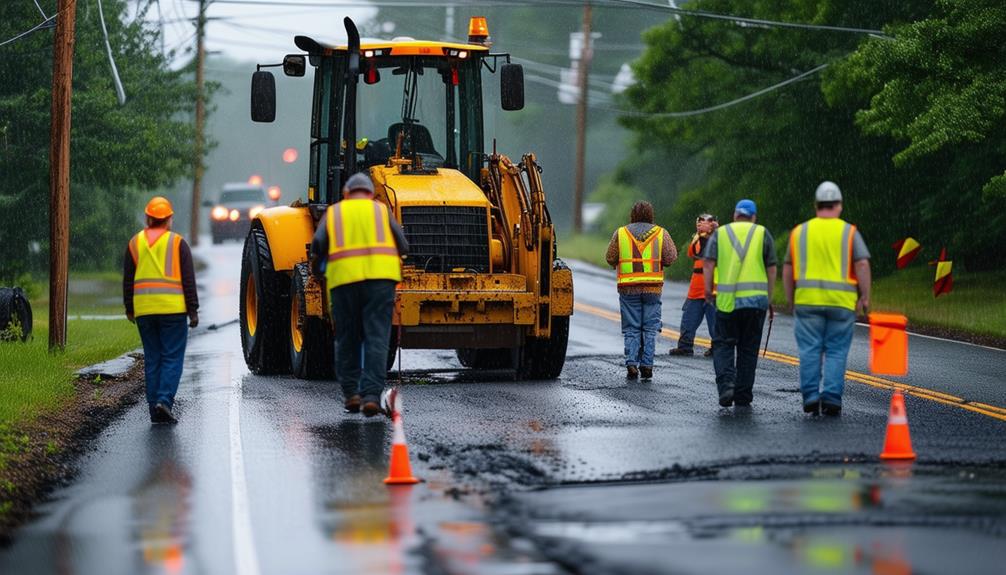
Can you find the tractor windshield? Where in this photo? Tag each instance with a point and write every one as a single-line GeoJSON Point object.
{"type": "Point", "coordinates": [416, 101]}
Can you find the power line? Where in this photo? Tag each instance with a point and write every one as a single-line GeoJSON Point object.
{"type": "Point", "coordinates": [763, 91]}
{"type": "Point", "coordinates": [49, 22]}
{"type": "Point", "coordinates": [635, 4]}
{"type": "Point", "coordinates": [42, 12]}
{"type": "Point", "coordinates": [745, 20]}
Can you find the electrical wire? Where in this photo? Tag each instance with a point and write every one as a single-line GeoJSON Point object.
{"type": "Point", "coordinates": [637, 4]}
{"type": "Point", "coordinates": [685, 114]}
{"type": "Point", "coordinates": [42, 12]}
{"type": "Point", "coordinates": [49, 22]}
{"type": "Point", "coordinates": [120, 92]}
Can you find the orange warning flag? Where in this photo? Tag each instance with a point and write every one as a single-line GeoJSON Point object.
{"type": "Point", "coordinates": [907, 249]}
{"type": "Point", "coordinates": [944, 282]}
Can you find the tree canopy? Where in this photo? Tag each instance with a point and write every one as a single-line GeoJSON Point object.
{"type": "Point", "coordinates": [936, 86]}
{"type": "Point", "coordinates": [116, 151]}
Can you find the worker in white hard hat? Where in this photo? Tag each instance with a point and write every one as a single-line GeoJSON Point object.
{"type": "Point", "coordinates": [827, 276]}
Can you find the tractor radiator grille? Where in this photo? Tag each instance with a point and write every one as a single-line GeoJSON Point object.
{"type": "Point", "coordinates": [442, 238]}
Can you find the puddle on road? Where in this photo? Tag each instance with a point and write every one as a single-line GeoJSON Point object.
{"type": "Point", "coordinates": [868, 519]}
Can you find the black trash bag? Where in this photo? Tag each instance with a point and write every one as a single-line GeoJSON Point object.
{"type": "Point", "coordinates": [15, 315]}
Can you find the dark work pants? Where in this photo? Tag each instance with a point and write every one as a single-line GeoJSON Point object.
{"type": "Point", "coordinates": [736, 341]}
{"type": "Point", "coordinates": [362, 312]}
{"type": "Point", "coordinates": [164, 338]}
{"type": "Point", "coordinates": [692, 313]}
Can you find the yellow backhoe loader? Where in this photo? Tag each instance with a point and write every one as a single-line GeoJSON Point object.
{"type": "Point", "coordinates": [482, 276]}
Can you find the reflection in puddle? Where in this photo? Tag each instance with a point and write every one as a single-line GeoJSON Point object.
{"type": "Point", "coordinates": [161, 506]}
{"type": "Point", "coordinates": [884, 520]}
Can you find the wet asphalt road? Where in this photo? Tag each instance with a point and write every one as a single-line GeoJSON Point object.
{"type": "Point", "coordinates": [586, 474]}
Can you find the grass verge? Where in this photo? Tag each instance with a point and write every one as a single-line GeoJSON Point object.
{"type": "Point", "coordinates": [588, 248]}
{"type": "Point", "coordinates": [33, 380]}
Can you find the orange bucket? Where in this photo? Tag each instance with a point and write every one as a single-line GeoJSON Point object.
{"type": "Point", "coordinates": [888, 344]}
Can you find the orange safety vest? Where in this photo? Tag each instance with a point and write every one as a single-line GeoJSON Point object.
{"type": "Point", "coordinates": [157, 282]}
{"type": "Point", "coordinates": [639, 260]}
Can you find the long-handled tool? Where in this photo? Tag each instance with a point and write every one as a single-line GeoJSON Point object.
{"type": "Point", "coordinates": [771, 318]}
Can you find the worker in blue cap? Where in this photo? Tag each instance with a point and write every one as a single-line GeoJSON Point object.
{"type": "Point", "coordinates": [743, 252]}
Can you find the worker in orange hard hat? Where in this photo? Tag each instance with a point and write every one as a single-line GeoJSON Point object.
{"type": "Point", "coordinates": [159, 293]}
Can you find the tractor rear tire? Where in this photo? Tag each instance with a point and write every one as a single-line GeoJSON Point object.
{"type": "Point", "coordinates": [264, 308]}
{"type": "Point", "coordinates": [543, 358]}
{"type": "Point", "coordinates": [498, 358]}
{"type": "Point", "coordinates": [312, 354]}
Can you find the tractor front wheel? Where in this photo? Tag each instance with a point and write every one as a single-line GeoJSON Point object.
{"type": "Point", "coordinates": [543, 358]}
{"type": "Point", "coordinates": [264, 308]}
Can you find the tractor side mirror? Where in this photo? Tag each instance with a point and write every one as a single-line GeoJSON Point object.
{"type": "Point", "coordinates": [294, 65]}
{"type": "Point", "coordinates": [512, 87]}
{"type": "Point", "coordinates": [263, 97]}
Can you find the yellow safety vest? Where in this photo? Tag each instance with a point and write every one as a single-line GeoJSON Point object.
{"type": "Point", "coordinates": [639, 260]}
{"type": "Point", "coordinates": [821, 254]}
{"type": "Point", "coordinates": [360, 243]}
{"type": "Point", "coordinates": [157, 283]}
{"type": "Point", "coordinates": [740, 264]}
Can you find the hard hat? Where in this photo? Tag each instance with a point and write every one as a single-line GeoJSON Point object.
{"type": "Point", "coordinates": [159, 208]}
{"type": "Point", "coordinates": [746, 208]}
{"type": "Point", "coordinates": [359, 181]}
{"type": "Point", "coordinates": [828, 192]}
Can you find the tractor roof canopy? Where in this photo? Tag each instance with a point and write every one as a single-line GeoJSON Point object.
{"type": "Point", "coordinates": [397, 47]}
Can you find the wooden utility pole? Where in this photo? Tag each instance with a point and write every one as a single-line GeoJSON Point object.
{"type": "Point", "coordinates": [582, 70]}
{"type": "Point", "coordinates": [59, 170]}
{"type": "Point", "coordinates": [197, 176]}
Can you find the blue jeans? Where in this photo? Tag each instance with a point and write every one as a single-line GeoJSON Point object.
{"type": "Point", "coordinates": [164, 338]}
{"type": "Point", "coordinates": [640, 325]}
{"type": "Point", "coordinates": [691, 318]}
{"type": "Point", "coordinates": [823, 331]}
{"type": "Point", "coordinates": [363, 313]}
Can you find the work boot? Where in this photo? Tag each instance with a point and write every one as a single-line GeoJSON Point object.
{"type": "Point", "coordinates": [727, 398]}
{"type": "Point", "coordinates": [371, 406]}
{"type": "Point", "coordinates": [164, 414]}
{"type": "Point", "coordinates": [813, 408]}
{"type": "Point", "coordinates": [646, 372]}
{"type": "Point", "coordinates": [352, 405]}
{"type": "Point", "coordinates": [681, 351]}
{"type": "Point", "coordinates": [631, 372]}
{"type": "Point", "coordinates": [831, 409]}
{"type": "Point", "coordinates": [708, 353]}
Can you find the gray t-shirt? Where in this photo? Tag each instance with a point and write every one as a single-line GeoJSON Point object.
{"type": "Point", "coordinates": [768, 256]}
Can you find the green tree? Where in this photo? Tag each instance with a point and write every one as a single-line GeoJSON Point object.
{"type": "Point", "coordinates": [939, 90]}
{"type": "Point", "coordinates": [116, 151]}
{"type": "Point", "coordinates": [776, 148]}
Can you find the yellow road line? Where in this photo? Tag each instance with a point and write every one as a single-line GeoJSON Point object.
{"type": "Point", "coordinates": [864, 378]}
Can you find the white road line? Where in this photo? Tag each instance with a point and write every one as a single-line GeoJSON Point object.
{"type": "Point", "coordinates": [937, 338]}
{"type": "Point", "coordinates": [245, 560]}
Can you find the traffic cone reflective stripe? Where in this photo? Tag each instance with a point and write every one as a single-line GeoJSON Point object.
{"type": "Point", "coordinates": [897, 440]}
{"type": "Point", "coordinates": [400, 472]}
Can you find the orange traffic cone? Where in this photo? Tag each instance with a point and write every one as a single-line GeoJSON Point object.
{"type": "Point", "coordinates": [897, 441]}
{"type": "Point", "coordinates": [400, 472]}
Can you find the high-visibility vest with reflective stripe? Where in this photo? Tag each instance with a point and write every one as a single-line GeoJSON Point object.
{"type": "Point", "coordinates": [821, 255]}
{"type": "Point", "coordinates": [740, 264]}
{"type": "Point", "coordinates": [360, 243]}
{"type": "Point", "coordinates": [157, 283]}
{"type": "Point", "coordinates": [639, 260]}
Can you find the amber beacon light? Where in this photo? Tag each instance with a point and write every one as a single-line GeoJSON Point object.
{"type": "Point", "coordinates": [478, 31]}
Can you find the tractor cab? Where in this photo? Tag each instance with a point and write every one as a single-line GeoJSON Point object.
{"type": "Point", "coordinates": [414, 105]}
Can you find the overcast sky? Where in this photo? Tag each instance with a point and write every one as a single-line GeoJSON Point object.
{"type": "Point", "coordinates": [254, 33]}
